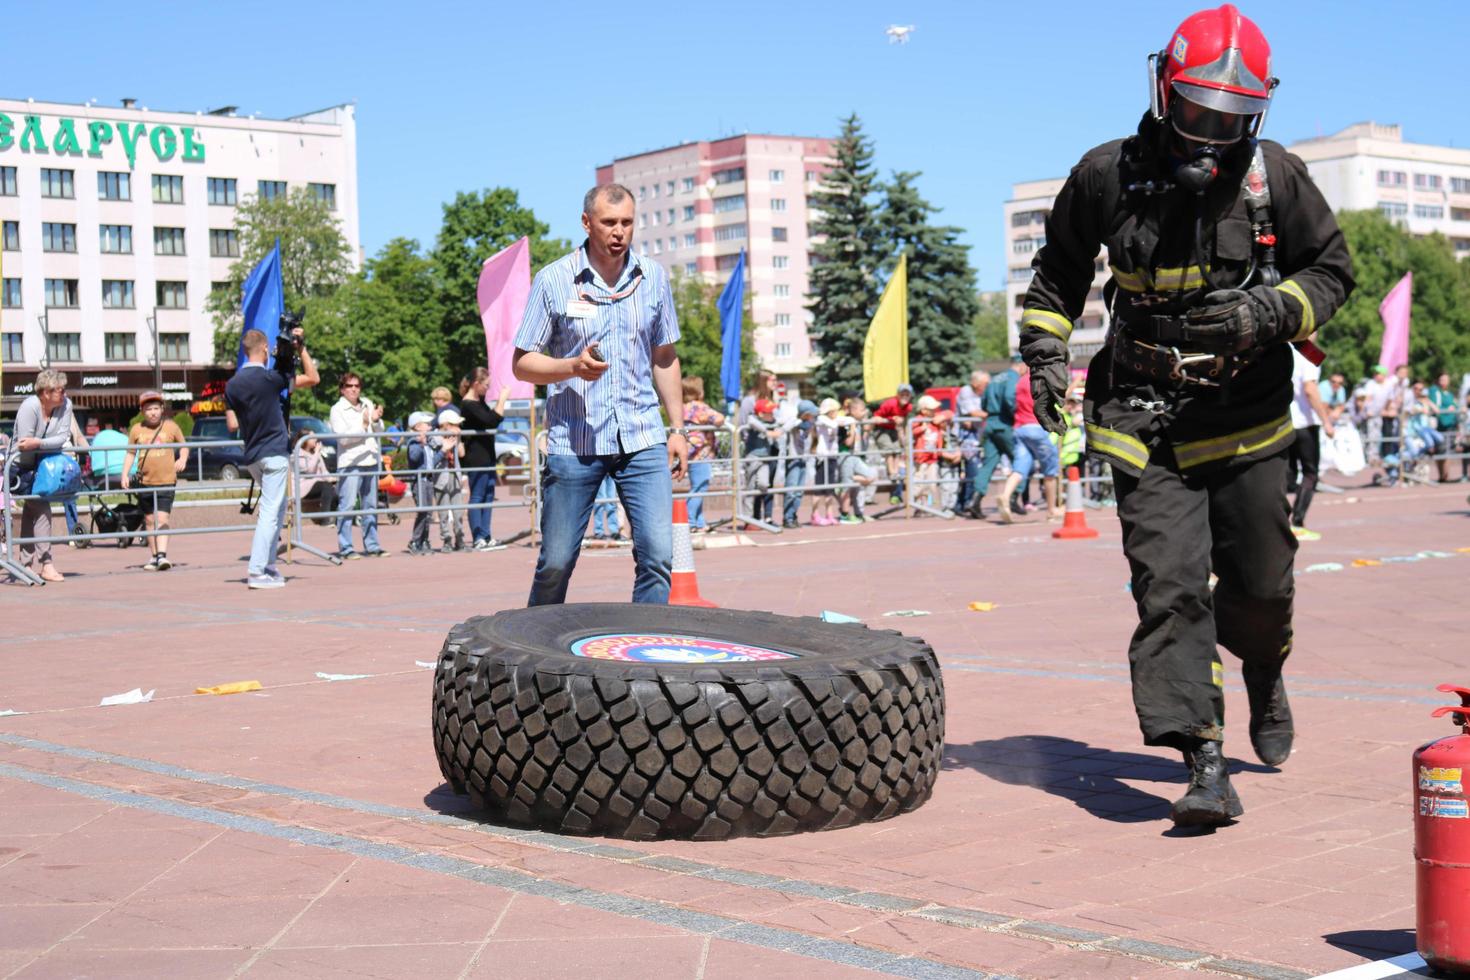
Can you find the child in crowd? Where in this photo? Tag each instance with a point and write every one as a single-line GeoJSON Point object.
{"type": "Point", "coordinates": [447, 482]}
{"type": "Point", "coordinates": [605, 512]}
{"type": "Point", "coordinates": [928, 434]}
{"type": "Point", "coordinates": [825, 449]}
{"type": "Point", "coordinates": [796, 448]}
{"type": "Point", "coordinates": [701, 447]}
{"type": "Point", "coordinates": [157, 472]}
{"type": "Point", "coordinates": [423, 458]}
{"type": "Point", "coordinates": [857, 466]}
{"type": "Point", "coordinates": [760, 460]}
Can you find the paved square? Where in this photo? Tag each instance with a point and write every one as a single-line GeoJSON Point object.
{"type": "Point", "coordinates": [304, 830]}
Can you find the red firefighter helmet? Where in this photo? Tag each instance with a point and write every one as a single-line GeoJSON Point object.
{"type": "Point", "coordinates": [1218, 65]}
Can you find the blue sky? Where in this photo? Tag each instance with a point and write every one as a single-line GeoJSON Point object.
{"type": "Point", "coordinates": [533, 95]}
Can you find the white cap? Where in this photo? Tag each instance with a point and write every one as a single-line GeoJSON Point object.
{"type": "Point", "coordinates": [450, 417]}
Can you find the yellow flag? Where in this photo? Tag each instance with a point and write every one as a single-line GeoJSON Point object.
{"type": "Point", "coordinates": [886, 349]}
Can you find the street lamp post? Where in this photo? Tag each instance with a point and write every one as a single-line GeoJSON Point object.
{"type": "Point", "coordinates": [152, 322]}
{"type": "Point", "coordinates": [45, 342]}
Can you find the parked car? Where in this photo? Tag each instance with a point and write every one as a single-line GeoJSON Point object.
{"type": "Point", "coordinates": [214, 462]}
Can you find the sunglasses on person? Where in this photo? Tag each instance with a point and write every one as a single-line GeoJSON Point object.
{"type": "Point", "coordinates": [345, 387]}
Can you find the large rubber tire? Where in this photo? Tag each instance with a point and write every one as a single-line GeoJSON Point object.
{"type": "Point", "coordinates": [850, 730]}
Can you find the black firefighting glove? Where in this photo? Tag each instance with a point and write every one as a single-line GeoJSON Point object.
{"type": "Point", "coordinates": [1047, 358]}
{"type": "Point", "coordinates": [1232, 321]}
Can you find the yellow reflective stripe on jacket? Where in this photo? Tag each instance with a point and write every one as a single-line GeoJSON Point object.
{"type": "Point", "coordinates": [1242, 443]}
{"type": "Point", "coordinates": [1309, 315]}
{"type": "Point", "coordinates": [1118, 445]}
{"type": "Point", "coordinates": [1053, 323]}
{"type": "Point", "coordinates": [1143, 281]}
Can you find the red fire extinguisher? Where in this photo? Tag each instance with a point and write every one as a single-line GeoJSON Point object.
{"type": "Point", "coordinates": [1442, 842]}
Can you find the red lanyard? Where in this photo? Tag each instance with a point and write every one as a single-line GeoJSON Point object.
{"type": "Point", "coordinates": [610, 298]}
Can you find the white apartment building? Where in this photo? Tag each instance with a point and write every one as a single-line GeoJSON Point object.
{"type": "Point", "coordinates": [1426, 188]}
{"type": "Point", "coordinates": [117, 219]}
{"type": "Point", "coordinates": [699, 204]}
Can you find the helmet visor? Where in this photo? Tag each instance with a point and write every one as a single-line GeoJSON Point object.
{"type": "Point", "coordinates": [1204, 125]}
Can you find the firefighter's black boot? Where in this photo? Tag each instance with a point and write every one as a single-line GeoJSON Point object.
{"type": "Point", "coordinates": [1210, 801]}
{"type": "Point", "coordinates": [1271, 727]}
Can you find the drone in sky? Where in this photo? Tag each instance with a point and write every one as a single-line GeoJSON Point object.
{"type": "Point", "coordinates": [899, 34]}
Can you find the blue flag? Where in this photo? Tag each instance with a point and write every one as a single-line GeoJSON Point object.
{"type": "Point", "coordinates": [732, 311]}
{"type": "Point", "coordinates": [263, 302]}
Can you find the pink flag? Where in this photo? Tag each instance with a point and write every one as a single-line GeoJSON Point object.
{"type": "Point", "coordinates": [1395, 313]}
{"type": "Point", "coordinates": [505, 286]}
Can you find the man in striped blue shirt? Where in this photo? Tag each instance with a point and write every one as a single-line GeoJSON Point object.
{"type": "Point", "coordinates": [599, 331]}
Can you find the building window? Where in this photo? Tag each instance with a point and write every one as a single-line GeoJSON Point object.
{"type": "Point", "coordinates": [780, 290]}
{"type": "Point", "coordinates": [114, 186]}
{"type": "Point", "coordinates": [724, 263]}
{"type": "Point", "coordinates": [690, 240]}
{"type": "Point", "coordinates": [168, 241]}
{"type": "Point", "coordinates": [64, 346]}
{"type": "Point", "coordinates": [1460, 214]}
{"type": "Point", "coordinates": [1428, 182]}
{"type": "Point", "coordinates": [642, 193]}
{"type": "Point", "coordinates": [11, 232]}
{"type": "Point", "coordinates": [729, 175]}
{"type": "Point", "coordinates": [173, 295]}
{"type": "Point", "coordinates": [1393, 210]}
{"type": "Point", "coordinates": [1023, 218]}
{"type": "Point", "coordinates": [643, 220]}
{"type": "Point", "coordinates": [224, 243]}
{"type": "Point", "coordinates": [173, 347]}
{"type": "Point", "coordinates": [58, 237]}
{"type": "Point", "coordinates": [778, 234]}
{"type": "Point", "coordinates": [61, 293]}
{"type": "Point", "coordinates": [222, 190]}
{"type": "Point", "coordinates": [671, 215]}
{"type": "Point", "coordinates": [1023, 246]}
{"type": "Point", "coordinates": [812, 176]}
{"type": "Point", "coordinates": [10, 296]}
{"type": "Point", "coordinates": [688, 212]}
{"type": "Point", "coordinates": [168, 189]}
{"type": "Point", "coordinates": [778, 204]}
{"type": "Point", "coordinates": [269, 190]}
{"type": "Point", "coordinates": [658, 217]}
{"type": "Point", "coordinates": [658, 243]}
{"type": "Point", "coordinates": [57, 183]}
{"type": "Point", "coordinates": [14, 347]}
{"type": "Point", "coordinates": [7, 184]}
{"type": "Point", "coordinates": [782, 320]}
{"type": "Point", "coordinates": [117, 294]}
{"type": "Point", "coordinates": [655, 189]}
{"type": "Point", "coordinates": [116, 239]}
{"type": "Point", "coordinates": [778, 176]}
{"type": "Point", "coordinates": [1022, 274]}
{"type": "Point", "coordinates": [122, 346]}
{"type": "Point", "coordinates": [1392, 178]}
{"type": "Point", "coordinates": [735, 202]}
{"type": "Point", "coordinates": [1458, 185]}
{"type": "Point", "coordinates": [780, 261]}
{"type": "Point", "coordinates": [670, 188]}
{"type": "Point", "coordinates": [1433, 211]}
{"type": "Point", "coordinates": [729, 233]}
{"type": "Point", "coordinates": [783, 350]}
{"type": "Point", "coordinates": [690, 268]}
{"type": "Point", "coordinates": [687, 185]}
{"type": "Point", "coordinates": [326, 193]}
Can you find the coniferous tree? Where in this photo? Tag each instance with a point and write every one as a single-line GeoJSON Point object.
{"type": "Point", "coordinates": [942, 300]}
{"type": "Point", "coordinates": [843, 286]}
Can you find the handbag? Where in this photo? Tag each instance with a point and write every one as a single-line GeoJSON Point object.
{"type": "Point", "coordinates": [57, 477]}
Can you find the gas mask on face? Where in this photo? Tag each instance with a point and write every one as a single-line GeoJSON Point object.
{"type": "Point", "coordinates": [1199, 170]}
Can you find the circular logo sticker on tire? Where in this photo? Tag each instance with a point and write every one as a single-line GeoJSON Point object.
{"type": "Point", "coordinates": [665, 648]}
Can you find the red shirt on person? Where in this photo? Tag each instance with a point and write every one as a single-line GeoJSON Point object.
{"type": "Point", "coordinates": [892, 412]}
{"type": "Point", "coordinates": [1025, 404]}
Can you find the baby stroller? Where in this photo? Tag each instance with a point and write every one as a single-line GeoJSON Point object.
{"type": "Point", "coordinates": [126, 516]}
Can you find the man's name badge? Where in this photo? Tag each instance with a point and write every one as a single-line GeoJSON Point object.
{"type": "Point", "coordinates": [578, 309]}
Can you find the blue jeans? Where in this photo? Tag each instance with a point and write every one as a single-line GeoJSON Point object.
{"type": "Point", "coordinates": [605, 515]}
{"type": "Point", "coordinates": [73, 524]}
{"type": "Point", "coordinates": [1034, 448]}
{"type": "Point", "coordinates": [482, 491]}
{"type": "Point", "coordinates": [698, 484]}
{"type": "Point", "coordinates": [569, 486]}
{"type": "Point", "coordinates": [357, 486]}
{"type": "Point", "coordinates": [791, 499]}
{"type": "Point", "coordinates": [967, 485]}
{"type": "Point", "coordinates": [271, 473]}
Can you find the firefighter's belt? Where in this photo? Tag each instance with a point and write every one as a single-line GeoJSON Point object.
{"type": "Point", "coordinates": [1171, 365]}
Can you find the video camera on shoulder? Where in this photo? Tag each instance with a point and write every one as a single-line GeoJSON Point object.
{"type": "Point", "coordinates": [287, 343]}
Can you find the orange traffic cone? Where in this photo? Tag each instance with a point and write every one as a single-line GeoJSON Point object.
{"type": "Point", "coordinates": [1074, 525]}
{"type": "Point", "coordinates": [684, 590]}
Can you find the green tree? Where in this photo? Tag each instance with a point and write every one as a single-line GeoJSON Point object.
{"type": "Point", "coordinates": [701, 348]}
{"type": "Point", "coordinates": [992, 340]}
{"type": "Point", "coordinates": [1382, 252]}
{"type": "Point", "coordinates": [477, 224]}
{"type": "Point", "coordinates": [843, 283]}
{"type": "Point", "coordinates": [383, 324]}
{"type": "Point", "coordinates": [315, 258]}
{"type": "Point", "coordinates": [942, 302]}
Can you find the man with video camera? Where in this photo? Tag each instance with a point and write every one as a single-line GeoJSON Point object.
{"type": "Point", "coordinates": [259, 406]}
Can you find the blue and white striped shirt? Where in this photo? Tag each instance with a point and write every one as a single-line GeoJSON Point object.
{"type": "Point", "coordinates": [619, 412]}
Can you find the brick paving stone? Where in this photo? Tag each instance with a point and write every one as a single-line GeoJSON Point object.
{"type": "Point", "coordinates": [324, 963]}
{"type": "Point", "coordinates": [127, 964]}
{"type": "Point", "coordinates": [363, 920]}
{"type": "Point", "coordinates": [184, 922]}
{"type": "Point", "coordinates": [38, 927]}
{"type": "Point", "coordinates": [608, 956]}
